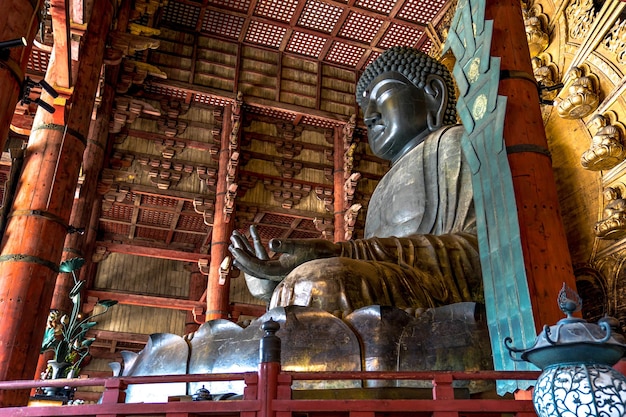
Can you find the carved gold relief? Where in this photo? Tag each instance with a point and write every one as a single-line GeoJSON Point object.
{"type": "Point", "coordinates": [480, 107]}
{"type": "Point", "coordinates": [580, 15]}
{"type": "Point", "coordinates": [613, 224]}
{"type": "Point", "coordinates": [615, 41]}
{"type": "Point", "coordinates": [582, 98]}
{"type": "Point", "coordinates": [537, 39]}
{"type": "Point", "coordinates": [545, 72]}
{"type": "Point", "coordinates": [607, 149]}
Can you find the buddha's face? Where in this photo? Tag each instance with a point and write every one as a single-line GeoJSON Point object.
{"type": "Point", "coordinates": [395, 113]}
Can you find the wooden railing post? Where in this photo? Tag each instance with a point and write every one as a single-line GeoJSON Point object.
{"type": "Point", "coordinates": [269, 368]}
{"type": "Point", "coordinates": [443, 391]}
{"type": "Point", "coordinates": [114, 391]}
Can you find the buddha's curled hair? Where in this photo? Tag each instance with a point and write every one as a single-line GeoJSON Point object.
{"type": "Point", "coordinates": [416, 66]}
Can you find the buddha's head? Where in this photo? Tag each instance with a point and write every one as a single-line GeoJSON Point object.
{"type": "Point", "coordinates": [404, 95]}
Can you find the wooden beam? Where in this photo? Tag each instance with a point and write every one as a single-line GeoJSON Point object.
{"type": "Point", "coordinates": [60, 12]}
{"type": "Point", "coordinates": [147, 300]}
{"type": "Point", "coordinates": [124, 337]}
{"type": "Point", "coordinates": [148, 252]}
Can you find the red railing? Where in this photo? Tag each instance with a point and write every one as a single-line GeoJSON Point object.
{"type": "Point", "coordinates": [268, 393]}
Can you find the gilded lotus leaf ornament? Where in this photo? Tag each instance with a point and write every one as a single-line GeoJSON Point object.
{"type": "Point", "coordinates": [581, 99]}
{"type": "Point", "coordinates": [607, 149]}
{"type": "Point", "coordinates": [613, 224]}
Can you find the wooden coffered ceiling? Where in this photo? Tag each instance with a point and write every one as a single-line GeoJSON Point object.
{"type": "Point", "coordinates": [293, 64]}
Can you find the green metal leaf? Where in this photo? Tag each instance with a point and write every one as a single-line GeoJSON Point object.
{"type": "Point", "coordinates": [87, 342]}
{"type": "Point", "coordinates": [88, 325]}
{"type": "Point", "coordinates": [71, 264]}
{"type": "Point", "coordinates": [77, 288]}
{"type": "Point", "coordinates": [107, 303]}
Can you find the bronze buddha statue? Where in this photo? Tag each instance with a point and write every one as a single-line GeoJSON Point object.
{"type": "Point", "coordinates": [420, 248]}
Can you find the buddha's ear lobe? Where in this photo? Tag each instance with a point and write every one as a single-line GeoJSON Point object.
{"type": "Point", "coordinates": [437, 97]}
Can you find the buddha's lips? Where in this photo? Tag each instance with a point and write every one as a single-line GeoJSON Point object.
{"type": "Point", "coordinates": [375, 131]}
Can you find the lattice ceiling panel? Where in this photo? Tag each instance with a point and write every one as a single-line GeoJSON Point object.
{"type": "Point", "coordinates": [273, 113]}
{"type": "Point", "coordinates": [276, 9]}
{"type": "Point", "coordinates": [154, 217]}
{"type": "Point", "coordinates": [345, 54]}
{"type": "Point", "coordinates": [210, 100]}
{"type": "Point", "coordinates": [380, 6]}
{"type": "Point", "coordinates": [319, 16]}
{"type": "Point", "coordinates": [222, 24]}
{"type": "Point", "coordinates": [124, 213]}
{"type": "Point", "coordinates": [192, 223]}
{"type": "Point", "coordinates": [159, 201]}
{"type": "Point", "coordinates": [360, 27]}
{"type": "Point", "coordinates": [400, 35]}
{"type": "Point", "coordinates": [265, 34]}
{"type": "Point", "coordinates": [38, 60]}
{"type": "Point", "coordinates": [306, 44]}
{"type": "Point", "coordinates": [420, 11]}
{"type": "Point", "coordinates": [237, 5]}
{"type": "Point", "coordinates": [338, 32]}
{"type": "Point", "coordinates": [114, 228]}
{"type": "Point", "coordinates": [181, 14]}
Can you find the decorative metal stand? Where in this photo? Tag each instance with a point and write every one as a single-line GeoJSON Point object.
{"type": "Point", "coordinates": [576, 359]}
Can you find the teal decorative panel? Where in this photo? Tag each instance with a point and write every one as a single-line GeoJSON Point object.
{"type": "Point", "coordinates": [482, 111]}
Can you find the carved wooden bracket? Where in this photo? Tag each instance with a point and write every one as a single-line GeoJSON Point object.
{"type": "Point", "coordinates": [288, 168]}
{"type": "Point", "coordinates": [206, 207]}
{"type": "Point", "coordinates": [349, 188]}
{"type": "Point", "coordinates": [100, 253]}
{"type": "Point", "coordinates": [208, 175]}
{"type": "Point", "coordinates": [115, 194]}
{"type": "Point", "coordinates": [127, 110]}
{"type": "Point", "coordinates": [350, 217]}
{"type": "Point", "coordinates": [326, 196]}
{"type": "Point", "coordinates": [203, 266]}
{"type": "Point", "coordinates": [287, 193]}
{"type": "Point", "coordinates": [325, 227]}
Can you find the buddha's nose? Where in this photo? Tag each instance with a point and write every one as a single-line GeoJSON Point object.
{"type": "Point", "coordinates": [371, 116]}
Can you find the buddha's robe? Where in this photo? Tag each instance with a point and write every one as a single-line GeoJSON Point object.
{"type": "Point", "coordinates": [420, 248]}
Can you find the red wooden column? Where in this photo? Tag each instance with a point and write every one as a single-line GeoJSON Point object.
{"type": "Point", "coordinates": [338, 184]}
{"type": "Point", "coordinates": [37, 225]}
{"type": "Point", "coordinates": [218, 294]}
{"type": "Point", "coordinates": [546, 255]}
{"type": "Point", "coordinates": [22, 21]}
{"type": "Point", "coordinates": [76, 244]}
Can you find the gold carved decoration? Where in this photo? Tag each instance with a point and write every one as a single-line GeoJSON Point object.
{"type": "Point", "coordinates": [615, 41]}
{"type": "Point", "coordinates": [474, 70]}
{"type": "Point", "coordinates": [579, 15]}
{"type": "Point", "coordinates": [607, 148]}
{"type": "Point", "coordinates": [480, 107]}
{"type": "Point", "coordinates": [545, 72]}
{"type": "Point", "coordinates": [582, 97]}
{"type": "Point", "coordinates": [613, 224]}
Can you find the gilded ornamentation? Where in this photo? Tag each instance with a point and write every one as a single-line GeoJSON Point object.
{"type": "Point", "coordinates": [545, 73]}
{"type": "Point", "coordinates": [537, 39]}
{"type": "Point", "coordinates": [615, 41]}
{"type": "Point", "coordinates": [607, 149]}
{"type": "Point", "coordinates": [474, 70]}
{"type": "Point", "coordinates": [581, 99]}
{"type": "Point", "coordinates": [480, 107]}
{"type": "Point", "coordinates": [580, 15]}
{"type": "Point", "coordinates": [613, 224]}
